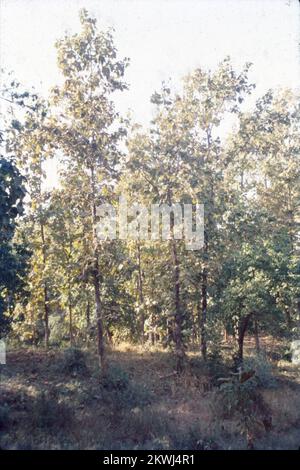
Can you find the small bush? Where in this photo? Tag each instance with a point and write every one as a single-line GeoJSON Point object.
{"type": "Point", "coordinates": [119, 391]}
{"type": "Point", "coordinates": [144, 425]}
{"type": "Point", "coordinates": [73, 362]}
{"type": "Point", "coordinates": [115, 379]}
{"type": "Point", "coordinates": [243, 402]}
{"type": "Point", "coordinates": [48, 413]}
{"type": "Point", "coordinates": [232, 398]}
{"type": "Point", "coordinates": [263, 370]}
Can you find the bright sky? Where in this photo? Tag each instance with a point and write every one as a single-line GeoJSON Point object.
{"type": "Point", "coordinates": [163, 38]}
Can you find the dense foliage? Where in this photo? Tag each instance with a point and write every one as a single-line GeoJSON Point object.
{"type": "Point", "coordinates": [13, 256]}
{"type": "Point", "coordinates": [246, 276]}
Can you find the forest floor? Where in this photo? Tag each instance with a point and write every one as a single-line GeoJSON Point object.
{"type": "Point", "coordinates": [49, 401]}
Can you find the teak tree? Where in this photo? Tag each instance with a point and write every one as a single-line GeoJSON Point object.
{"type": "Point", "coordinates": [86, 128]}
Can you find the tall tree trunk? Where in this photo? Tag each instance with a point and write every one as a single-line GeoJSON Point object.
{"type": "Point", "coordinates": [46, 317]}
{"type": "Point", "coordinates": [70, 316]}
{"type": "Point", "coordinates": [195, 325]}
{"type": "Point", "coordinates": [204, 276]}
{"type": "Point", "coordinates": [178, 316]}
{"type": "Point", "coordinates": [178, 337]}
{"type": "Point", "coordinates": [141, 294]}
{"type": "Point", "coordinates": [96, 281]}
{"type": "Point", "coordinates": [225, 335]}
{"type": "Point", "coordinates": [88, 322]}
{"type": "Point", "coordinates": [45, 288]}
{"type": "Point", "coordinates": [71, 325]}
{"type": "Point", "coordinates": [288, 318]}
{"type": "Point", "coordinates": [70, 307]}
{"type": "Point", "coordinates": [88, 315]}
{"type": "Point", "coordinates": [243, 325]}
{"type": "Point", "coordinates": [199, 320]}
{"type": "Point", "coordinates": [100, 329]}
{"type": "Point", "coordinates": [203, 314]}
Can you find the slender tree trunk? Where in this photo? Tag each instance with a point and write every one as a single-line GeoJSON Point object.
{"type": "Point", "coordinates": [33, 325]}
{"type": "Point", "coordinates": [141, 294]}
{"type": "Point", "coordinates": [100, 329]}
{"type": "Point", "coordinates": [178, 337]}
{"type": "Point", "coordinates": [199, 321]}
{"type": "Point", "coordinates": [225, 335]}
{"type": "Point", "coordinates": [204, 276]}
{"type": "Point", "coordinates": [88, 315]}
{"type": "Point", "coordinates": [178, 315]}
{"type": "Point", "coordinates": [288, 318]}
{"type": "Point", "coordinates": [243, 325]}
{"type": "Point", "coordinates": [46, 318]}
{"type": "Point", "coordinates": [70, 316]}
{"type": "Point", "coordinates": [71, 324]}
{"type": "Point", "coordinates": [203, 315]}
{"type": "Point", "coordinates": [195, 325]}
{"type": "Point", "coordinates": [88, 322]}
{"type": "Point", "coordinates": [70, 307]}
{"type": "Point", "coordinates": [240, 353]}
{"type": "Point", "coordinates": [96, 281]}
{"type": "Point", "coordinates": [45, 288]}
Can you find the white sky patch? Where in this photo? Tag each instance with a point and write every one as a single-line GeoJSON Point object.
{"type": "Point", "coordinates": [163, 39]}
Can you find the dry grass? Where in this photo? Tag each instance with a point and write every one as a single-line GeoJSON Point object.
{"type": "Point", "coordinates": [157, 410]}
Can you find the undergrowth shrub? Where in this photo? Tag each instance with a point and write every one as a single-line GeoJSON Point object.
{"type": "Point", "coordinates": [243, 402]}
{"type": "Point", "coordinates": [119, 391]}
{"type": "Point", "coordinates": [143, 425]}
{"type": "Point", "coordinates": [152, 430]}
{"type": "Point", "coordinates": [73, 362]}
{"type": "Point", "coordinates": [115, 379]}
{"type": "Point", "coordinates": [212, 368]}
{"type": "Point", "coordinates": [191, 439]}
{"type": "Point", "coordinates": [234, 397]}
{"type": "Point", "coordinates": [264, 376]}
{"type": "Point", "coordinates": [48, 413]}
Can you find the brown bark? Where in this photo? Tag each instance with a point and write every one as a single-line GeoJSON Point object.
{"type": "Point", "coordinates": [88, 315]}
{"type": "Point", "coordinates": [225, 335]}
{"type": "Point", "coordinates": [178, 318]}
{"type": "Point", "coordinates": [100, 329]}
{"type": "Point", "coordinates": [45, 289]}
{"type": "Point", "coordinates": [141, 294]}
{"type": "Point", "coordinates": [203, 315]}
{"type": "Point", "coordinates": [204, 277]}
{"type": "Point", "coordinates": [243, 325]}
{"type": "Point", "coordinates": [88, 322]}
{"type": "Point", "coordinates": [96, 281]}
{"type": "Point", "coordinates": [70, 299]}
{"type": "Point", "coordinates": [71, 323]}
{"type": "Point", "coordinates": [288, 318]}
